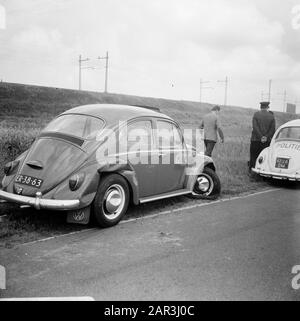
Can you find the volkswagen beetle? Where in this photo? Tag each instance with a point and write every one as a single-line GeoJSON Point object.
{"type": "Point", "coordinates": [281, 160]}
{"type": "Point", "coordinates": [80, 163]}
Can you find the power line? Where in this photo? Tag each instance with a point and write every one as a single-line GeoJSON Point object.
{"type": "Point", "coordinates": [81, 67]}
{"type": "Point", "coordinates": [201, 88]}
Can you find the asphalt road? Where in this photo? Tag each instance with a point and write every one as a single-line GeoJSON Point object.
{"type": "Point", "coordinates": [243, 249]}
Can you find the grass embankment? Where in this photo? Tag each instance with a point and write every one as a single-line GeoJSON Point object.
{"type": "Point", "coordinates": [25, 110]}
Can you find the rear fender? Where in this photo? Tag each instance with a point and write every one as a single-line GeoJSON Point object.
{"type": "Point", "coordinates": [8, 180]}
{"type": "Point", "coordinates": [86, 193]}
{"type": "Point", "coordinates": [127, 171]}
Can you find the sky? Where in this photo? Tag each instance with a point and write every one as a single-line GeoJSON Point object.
{"type": "Point", "coordinates": [157, 48]}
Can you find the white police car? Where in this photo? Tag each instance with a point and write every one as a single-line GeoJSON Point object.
{"type": "Point", "coordinates": [282, 159]}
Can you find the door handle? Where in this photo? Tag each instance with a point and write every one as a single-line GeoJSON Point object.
{"type": "Point", "coordinates": [162, 154]}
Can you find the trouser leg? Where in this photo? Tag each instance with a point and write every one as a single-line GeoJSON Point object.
{"type": "Point", "coordinates": [255, 149]}
{"type": "Point", "coordinates": [210, 145]}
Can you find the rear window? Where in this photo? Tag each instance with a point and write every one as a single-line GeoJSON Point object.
{"type": "Point", "coordinates": [289, 133]}
{"type": "Point", "coordinates": [82, 126]}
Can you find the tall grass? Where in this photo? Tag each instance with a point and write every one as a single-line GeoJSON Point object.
{"type": "Point", "coordinates": [16, 136]}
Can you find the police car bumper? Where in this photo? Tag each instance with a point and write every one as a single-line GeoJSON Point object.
{"type": "Point", "coordinates": [39, 203]}
{"type": "Point", "coordinates": [292, 177]}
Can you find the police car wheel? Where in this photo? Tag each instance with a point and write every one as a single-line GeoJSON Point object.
{"type": "Point", "coordinates": [207, 185]}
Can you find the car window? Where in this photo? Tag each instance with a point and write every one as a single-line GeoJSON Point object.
{"type": "Point", "coordinates": [139, 136]}
{"type": "Point", "coordinates": [289, 133]}
{"type": "Point", "coordinates": [177, 137]}
{"type": "Point", "coordinates": [82, 126]}
{"type": "Point", "coordinates": [168, 135]}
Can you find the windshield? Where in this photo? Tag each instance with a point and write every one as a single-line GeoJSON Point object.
{"type": "Point", "coordinates": [82, 126]}
{"type": "Point", "coordinates": [289, 133]}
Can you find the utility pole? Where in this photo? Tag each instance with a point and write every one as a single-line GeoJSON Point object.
{"type": "Point", "coordinates": [284, 101]}
{"type": "Point", "coordinates": [296, 103]}
{"type": "Point", "coordinates": [265, 96]}
{"type": "Point", "coordinates": [270, 89]}
{"type": "Point", "coordinates": [226, 82]}
{"type": "Point", "coordinates": [106, 71]}
{"type": "Point", "coordinates": [80, 68]}
{"type": "Point", "coordinates": [201, 88]}
{"type": "Point", "coordinates": [284, 94]}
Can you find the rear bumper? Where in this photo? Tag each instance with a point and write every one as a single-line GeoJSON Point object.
{"type": "Point", "coordinates": [40, 203]}
{"type": "Point", "coordinates": [277, 175]}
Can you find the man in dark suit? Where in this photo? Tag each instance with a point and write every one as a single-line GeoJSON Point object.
{"type": "Point", "coordinates": [264, 126]}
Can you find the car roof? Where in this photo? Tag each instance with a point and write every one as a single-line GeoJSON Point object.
{"type": "Point", "coordinates": [295, 122]}
{"type": "Point", "coordinates": [113, 113]}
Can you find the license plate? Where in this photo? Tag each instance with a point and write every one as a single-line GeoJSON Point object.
{"type": "Point", "coordinates": [282, 163]}
{"type": "Point", "coordinates": [29, 181]}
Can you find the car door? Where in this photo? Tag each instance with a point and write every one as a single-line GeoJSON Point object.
{"type": "Point", "coordinates": [141, 147]}
{"type": "Point", "coordinates": [172, 157]}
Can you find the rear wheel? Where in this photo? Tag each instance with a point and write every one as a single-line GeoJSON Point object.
{"type": "Point", "coordinates": [207, 186]}
{"type": "Point", "coordinates": [111, 201]}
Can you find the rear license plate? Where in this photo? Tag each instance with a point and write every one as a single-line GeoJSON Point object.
{"type": "Point", "coordinates": [29, 181]}
{"type": "Point", "coordinates": [282, 163]}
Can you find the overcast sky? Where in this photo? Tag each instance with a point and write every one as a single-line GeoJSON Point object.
{"type": "Point", "coordinates": [157, 48]}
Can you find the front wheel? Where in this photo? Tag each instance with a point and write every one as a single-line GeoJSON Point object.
{"type": "Point", "coordinates": [111, 201]}
{"type": "Point", "coordinates": [207, 186]}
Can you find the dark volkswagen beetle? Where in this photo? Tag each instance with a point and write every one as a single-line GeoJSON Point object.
{"type": "Point", "coordinates": [76, 166]}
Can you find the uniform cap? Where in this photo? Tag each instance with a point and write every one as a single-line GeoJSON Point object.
{"type": "Point", "coordinates": [265, 104]}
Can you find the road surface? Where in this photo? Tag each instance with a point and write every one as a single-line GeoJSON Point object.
{"type": "Point", "coordinates": [243, 249]}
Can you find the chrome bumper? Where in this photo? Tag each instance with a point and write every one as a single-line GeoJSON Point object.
{"type": "Point", "coordinates": [39, 203]}
{"type": "Point", "coordinates": [277, 175]}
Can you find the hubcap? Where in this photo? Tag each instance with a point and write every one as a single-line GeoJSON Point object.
{"type": "Point", "coordinates": [204, 185]}
{"type": "Point", "coordinates": [114, 201]}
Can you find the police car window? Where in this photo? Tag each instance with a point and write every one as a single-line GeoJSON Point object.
{"type": "Point", "coordinates": [289, 133]}
{"type": "Point", "coordinates": [168, 135]}
{"type": "Point", "coordinates": [140, 136]}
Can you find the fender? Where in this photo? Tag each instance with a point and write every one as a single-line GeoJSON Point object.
{"type": "Point", "coordinates": [196, 168]}
{"type": "Point", "coordinates": [127, 171]}
{"type": "Point", "coordinates": [8, 180]}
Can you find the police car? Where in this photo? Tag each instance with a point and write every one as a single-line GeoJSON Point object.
{"type": "Point", "coordinates": [281, 160]}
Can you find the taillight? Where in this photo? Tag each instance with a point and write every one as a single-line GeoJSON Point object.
{"type": "Point", "coordinates": [10, 167]}
{"type": "Point", "coordinates": [76, 181]}
{"type": "Point", "coordinates": [260, 160]}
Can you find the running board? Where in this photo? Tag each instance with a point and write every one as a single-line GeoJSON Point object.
{"type": "Point", "coordinates": [163, 196]}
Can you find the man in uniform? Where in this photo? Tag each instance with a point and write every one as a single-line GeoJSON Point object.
{"type": "Point", "coordinates": [211, 126]}
{"type": "Point", "coordinates": [264, 126]}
